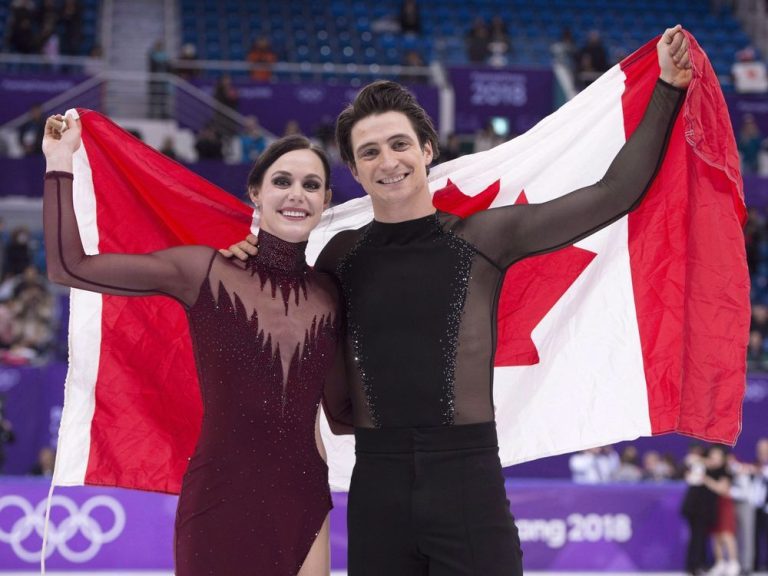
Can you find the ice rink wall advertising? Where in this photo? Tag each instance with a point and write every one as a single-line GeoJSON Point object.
{"type": "Point", "coordinates": [562, 527]}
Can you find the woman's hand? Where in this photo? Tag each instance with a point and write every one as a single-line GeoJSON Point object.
{"type": "Point", "coordinates": [674, 60]}
{"type": "Point", "coordinates": [60, 141]}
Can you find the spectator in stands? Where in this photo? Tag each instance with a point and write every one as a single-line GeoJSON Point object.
{"type": "Point", "coordinates": [656, 468]}
{"type": "Point", "coordinates": [3, 243]}
{"type": "Point", "coordinates": [168, 148]}
{"type": "Point", "coordinates": [51, 50]}
{"type": "Point", "coordinates": [18, 253]}
{"type": "Point", "coordinates": [410, 17]}
{"type": "Point", "coordinates": [486, 138]}
{"type": "Point", "coordinates": [263, 57]}
{"type": "Point", "coordinates": [412, 60]}
{"type": "Point", "coordinates": [593, 59]}
{"type": "Point", "coordinates": [46, 458]}
{"type": "Point", "coordinates": [721, 7]}
{"type": "Point", "coordinates": [209, 145]}
{"type": "Point", "coordinates": [159, 63]}
{"type": "Point", "coordinates": [596, 51]}
{"type": "Point", "coordinates": [754, 236]}
{"type": "Point", "coordinates": [225, 92]}
{"type": "Point", "coordinates": [749, 143]}
{"type": "Point", "coordinates": [749, 73]}
{"type": "Point", "coordinates": [71, 18]}
{"type": "Point", "coordinates": [675, 472]}
{"type": "Point", "coordinates": [21, 9]}
{"type": "Point", "coordinates": [499, 43]}
{"type": "Point", "coordinates": [477, 41]}
{"type": "Point", "coordinates": [31, 132]}
{"type": "Point", "coordinates": [7, 326]}
{"type": "Point", "coordinates": [227, 95]}
{"type": "Point", "coordinates": [748, 493]}
{"type": "Point", "coordinates": [47, 17]}
{"type": "Point", "coordinates": [565, 51]}
{"type": "Point", "coordinates": [325, 136]}
{"type": "Point", "coordinates": [6, 432]}
{"type": "Point", "coordinates": [291, 128]}
{"type": "Point", "coordinates": [252, 140]}
{"type": "Point", "coordinates": [94, 63]}
{"type": "Point", "coordinates": [33, 311]}
{"type": "Point", "coordinates": [758, 330]}
{"type": "Point", "coordinates": [755, 351]}
{"type": "Point", "coordinates": [23, 36]}
{"type": "Point", "coordinates": [761, 513]}
{"type": "Point", "coordinates": [629, 469]}
{"type": "Point", "coordinates": [48, 20]}
{"type": "Point", "coordinates": [594, 466]}
{"type": "Point", "coordinates": [184, 64]}
{"type": "Point", "coordinates": [451, 149]}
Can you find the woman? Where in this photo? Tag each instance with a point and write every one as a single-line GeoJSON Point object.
{"type": "Point", "coordinates": [255, 496]}
{"type": "Point", "coordinates": [718, 480]}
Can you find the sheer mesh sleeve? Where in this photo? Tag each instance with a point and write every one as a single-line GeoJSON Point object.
{"type": "Point", "coordinates": [509, 233]}
{"type": "Point", "coordinates": [176, 272]}
{"type": "Point", "coordinates": [337, 401]}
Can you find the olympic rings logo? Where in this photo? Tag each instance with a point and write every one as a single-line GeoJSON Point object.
{"type": "Point", "coordinates": [78, 520]}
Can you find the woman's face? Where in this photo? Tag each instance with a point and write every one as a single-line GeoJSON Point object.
{"type": "Point", "coordinates": [293, 195]}
{"type": "Point", "coordinates": [716, 458]}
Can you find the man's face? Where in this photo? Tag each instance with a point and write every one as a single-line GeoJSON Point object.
{"type": "Point", "coordinates": [389, 163]}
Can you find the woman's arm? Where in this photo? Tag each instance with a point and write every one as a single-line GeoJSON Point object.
{"type": "Point", "coordinates": [722, 486]}
{"type": "Point", "coordinates": [176, 272]}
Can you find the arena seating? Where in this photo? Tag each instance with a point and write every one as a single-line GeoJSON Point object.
{"type": "Point", "coordinates": [355, 31]}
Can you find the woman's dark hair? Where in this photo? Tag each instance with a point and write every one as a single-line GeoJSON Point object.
{"type": "Point", "coordinates": [283, 146]}
{"type": "Point", "coordinates": [377, 98]}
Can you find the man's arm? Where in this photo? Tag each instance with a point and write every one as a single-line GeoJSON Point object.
{"type": "Point", "coordinates": [337, 402]}
{"type": "Point", "coordinates": [510, 233]}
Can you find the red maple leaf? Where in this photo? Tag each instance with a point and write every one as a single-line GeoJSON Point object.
{"type": "Point", "coordinates": [531, 287]}
{"type": "Point", "coordinates": [452, 200]}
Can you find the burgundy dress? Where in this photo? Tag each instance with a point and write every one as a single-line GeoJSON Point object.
{"type": "Point", "coordinates": [265, 335]}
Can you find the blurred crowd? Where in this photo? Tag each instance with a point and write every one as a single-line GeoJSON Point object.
{"type": "Point", "coordinates": [725, 504]}
{"type": "Point", "coordinates": [27, 306]}
{"type": "Point", "coordinates": [50, 28]}
{"type": "Point", "coordinates": [756, 241]}
{"type": "Point", "coordinates": [753, 146]}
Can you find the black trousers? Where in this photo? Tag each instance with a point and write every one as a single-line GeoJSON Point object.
{"type": "Point", "coordinates": [430, 502]}
{"type": "Point", "coordinates": [696, 556]}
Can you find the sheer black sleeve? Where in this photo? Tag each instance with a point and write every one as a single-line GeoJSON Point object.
{"type": "Point", "coordinates": [331, 255]}
{"type": "Point", "coordinates": [176, 272]}
{"type": "Point", "coordinates": [509, 233]}
{"type": "Point", "coordinates": [337, 401]}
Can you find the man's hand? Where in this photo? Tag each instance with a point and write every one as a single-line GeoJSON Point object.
{"type": "Point", "coordinates": [243, 249]}
{"type": "Point", "coordinates": [674, 60]}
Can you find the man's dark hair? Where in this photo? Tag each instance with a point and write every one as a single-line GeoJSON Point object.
{"type": "Point", "coordinates": [283, 146]}
{"type": "Point", "coordinates": [377, 98]}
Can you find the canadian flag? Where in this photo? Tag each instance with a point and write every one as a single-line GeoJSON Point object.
{"type": "Point", "coordinates": [639, 329]}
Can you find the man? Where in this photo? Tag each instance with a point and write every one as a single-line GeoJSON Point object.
{"type": "Point", "coordinates": [421, 289]}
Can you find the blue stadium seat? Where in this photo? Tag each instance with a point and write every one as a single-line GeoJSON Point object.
{"type": "Point", "coordinates": [296, 26]}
